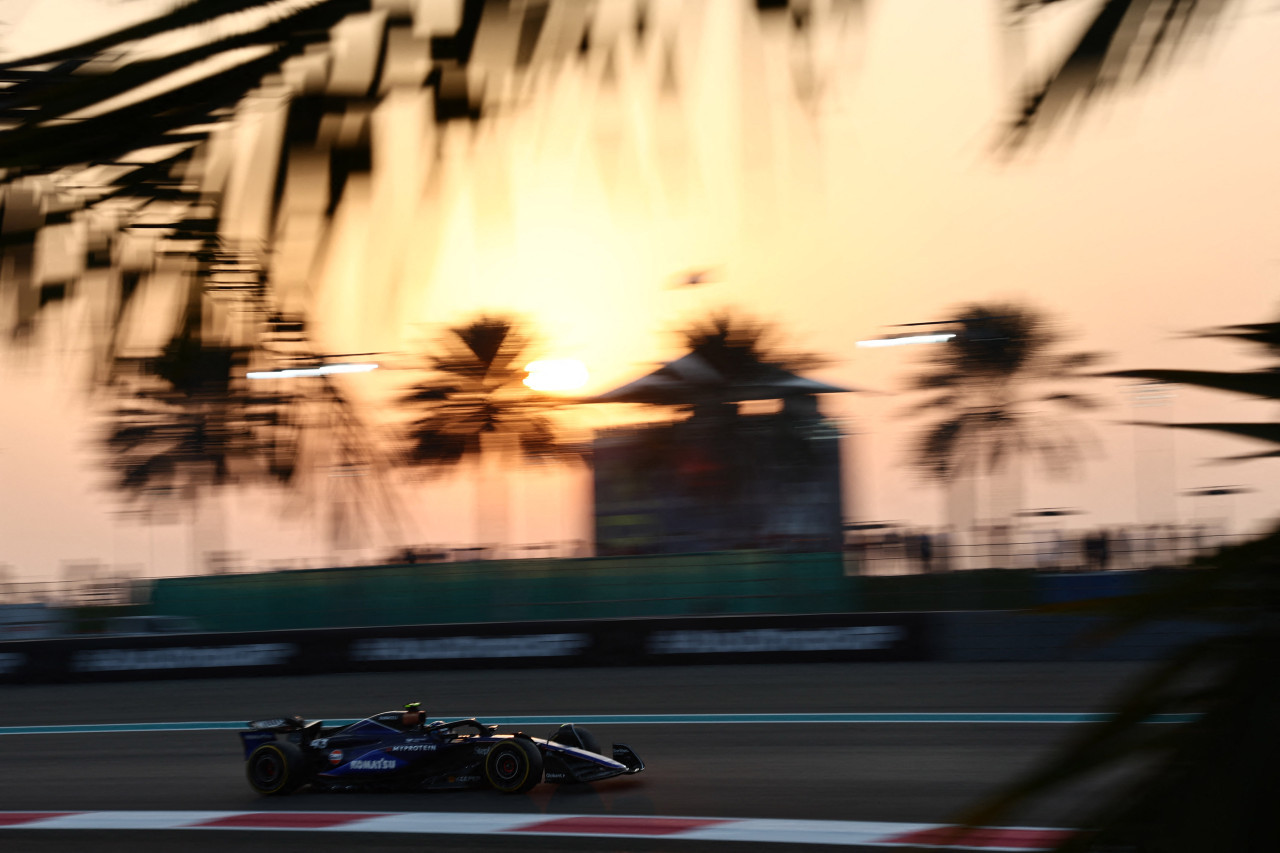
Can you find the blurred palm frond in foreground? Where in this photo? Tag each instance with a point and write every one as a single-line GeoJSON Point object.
{"type": "Point", "coordinates": [1208, 783]}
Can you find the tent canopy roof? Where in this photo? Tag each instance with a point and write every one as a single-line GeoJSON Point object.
{"type": "Point", "coordinates": [691, 378]}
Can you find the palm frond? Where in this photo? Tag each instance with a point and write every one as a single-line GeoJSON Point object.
{"type": "Point", "coordinates": [45, 96]}
{"type": "Point", "coordinates": [939, 446]}
{"type": "Point", "coordinates": [939, 402]}
{"type": "Point", "coordinates": [1202, 777]}
{"type": "Point", "coordinates": [981, 385]}
{"type": "Point", "coordinates": [1109, 741]}
{"type": "Point", "coordinates": [146, 123]}
{"type": "Point", "coordinates": [1269, 432]}
{"type": "Point", "coordinates": [1076, 361]}
{"type": "Point", "coordinates": [1075, 401]}
{"type": "Point", "coordinates": [741, 347]}
{"type": "Point", "coordinates": [475, 388]}
{"type": "Point", "coordinates": [1258, 383]}
{"type": "Point", "coordinates": [1119, 46]}
{"type": "Point", "coordinates": [1266, 335]}
{"type": "Point", "coordinates": [1248, 457]}
{"type": "Point", "coordinates": [182, 16]}
{"type": "Point", "coordinates": [943, 376]}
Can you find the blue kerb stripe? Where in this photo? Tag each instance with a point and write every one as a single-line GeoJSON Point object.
{"type": "Point", "coordinates": [632, 719]}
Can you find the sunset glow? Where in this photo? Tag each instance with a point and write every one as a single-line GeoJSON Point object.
{"type": "Point", "coordinates": [556, 374]}
{"type": "Point", "coordinates": [839, 179]}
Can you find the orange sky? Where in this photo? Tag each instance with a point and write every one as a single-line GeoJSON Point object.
{"type": "Point", "coordinates": [879, 203]}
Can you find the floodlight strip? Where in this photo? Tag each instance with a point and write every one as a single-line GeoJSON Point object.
{"type": "Point", "coordinates": [322, 370]}
{"type": "Point", "coordinates": [939, 338]}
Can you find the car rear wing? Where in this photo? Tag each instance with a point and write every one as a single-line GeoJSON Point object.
{"type": "Point", "coordinates": [278, 724]}
{"type": "Point", "coordinates": [253, 739]}
{"type": "Point", "coordinates": [295, 729]}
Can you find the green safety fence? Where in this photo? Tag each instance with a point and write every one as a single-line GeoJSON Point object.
{"type": "Point", "coordinates": [741, 582]}
{"type": "Point", "coordinates": [513, 591]}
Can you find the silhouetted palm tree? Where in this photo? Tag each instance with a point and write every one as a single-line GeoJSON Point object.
{"type": "Point", "coordinates": [748, 354]}
{"type": "Point", "coordinates": [473, 406]}
{"type": "Point", "coordinates": [71, 112]}
{"type": "Point", "coordinates": [475, 389]}
{"type": "Point", "coordinates": [189, 419]}
{"type": "Point", "coordinates": [720, 467]}
{"type": "Point", "coordinates": [989, 393]}
{"type": "Point", "coordinates": [186, 422]}
{"type": "Point", "coordinates": [750, 362]}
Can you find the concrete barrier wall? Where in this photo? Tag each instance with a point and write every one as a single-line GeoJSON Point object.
{"type": "Point", "coordinates": [608, 642]}
{"type": "Point", "coordinates": [1032, 637]}
{"type": "Point", "coordinates": [867, 637]}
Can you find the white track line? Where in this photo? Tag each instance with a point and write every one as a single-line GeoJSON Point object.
{"type": "Point", "coordinates": [832, 832]}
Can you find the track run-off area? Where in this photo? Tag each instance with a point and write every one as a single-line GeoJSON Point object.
{"type": "Point", "coordinates": [768, 757]}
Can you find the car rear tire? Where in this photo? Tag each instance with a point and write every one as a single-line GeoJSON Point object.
{"type": "Point", "coordinates": [513, 766]}
{"type": "Point", "coordinates": [275, 769]}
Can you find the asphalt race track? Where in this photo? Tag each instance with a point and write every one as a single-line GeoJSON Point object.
{"type": "Point", "coordinates": [909, 772]}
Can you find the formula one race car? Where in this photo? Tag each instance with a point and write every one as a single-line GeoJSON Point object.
{"type": "Point", "coordinates": [399, 750]}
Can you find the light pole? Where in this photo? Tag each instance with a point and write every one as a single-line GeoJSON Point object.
{"type": "Point", "coordinates": [1155, 480]}
{"type": "Point", "coordinates": [1050, 552]}
{"type": "Point", "coordinates": [961, 490]}
{"type": "Point", "coordinates": [340, 514]}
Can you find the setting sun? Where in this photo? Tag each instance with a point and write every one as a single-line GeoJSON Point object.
{"type": "Point", "coordinates": [556, 374]}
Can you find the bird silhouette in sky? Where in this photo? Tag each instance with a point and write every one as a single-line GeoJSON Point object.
{"type": "Point", "coordinates": [694, 278]}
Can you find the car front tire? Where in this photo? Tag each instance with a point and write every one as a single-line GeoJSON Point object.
{"type": "Point", "coordinates": [513, 766]}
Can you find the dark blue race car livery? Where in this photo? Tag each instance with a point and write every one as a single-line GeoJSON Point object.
{"type": "Point", "coordinates": [399, 750]}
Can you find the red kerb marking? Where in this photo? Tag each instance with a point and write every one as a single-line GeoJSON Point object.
{"type": "Point", "coordinates": [961, 837]}
{"type": "Point", "coordinates": [19, 818]}
{"type": "Point", "coordinates": [286, 820]}
{"type": "Point", "coordinates": [618, 825]}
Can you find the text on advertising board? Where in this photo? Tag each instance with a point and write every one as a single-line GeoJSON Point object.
{"type": "Point", "coordinates": [436, 648]}
{"type": "Point", "coordinates": [862, 637]}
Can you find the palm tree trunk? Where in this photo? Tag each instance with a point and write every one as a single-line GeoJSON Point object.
{"type": "Point", "coordinates": [492, 492]}
{"type": "Point", "coordinates": [208, 531]}
{"type": "Point", "coordinates": [962, 504]}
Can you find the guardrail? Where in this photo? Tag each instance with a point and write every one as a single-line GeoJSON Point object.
{"type": "Point", "coordinates": [904, 550]}
{"type": "Point", "coordinates": [359, 597]}
{"type": "Point", "coordinates": [880, 573]}
{"type": "Point", "coordinates": [892, 551]}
